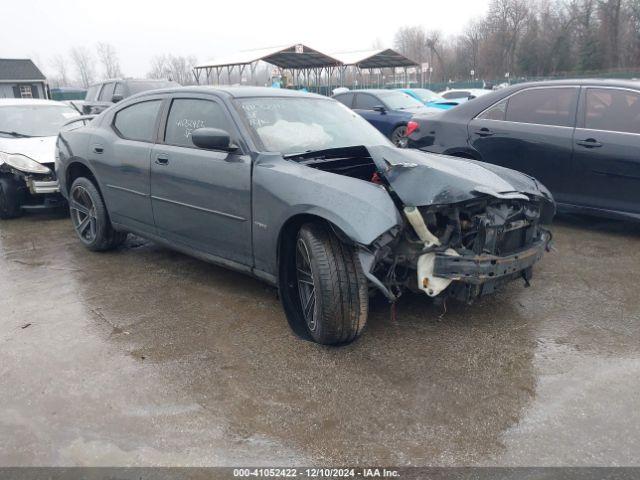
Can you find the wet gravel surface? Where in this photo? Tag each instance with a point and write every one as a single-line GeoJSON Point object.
{"type": "Point", "coordinates": [144, 356]}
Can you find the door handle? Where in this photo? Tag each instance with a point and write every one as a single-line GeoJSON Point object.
{"type": "Point", "coordinates": [98, 149]}
{"type": "Point", "coordinates": [484, 132]}
{"type": "Point", "coordinates": [162, 159]}
{"type": "Point", "coordinates": [589, 143]}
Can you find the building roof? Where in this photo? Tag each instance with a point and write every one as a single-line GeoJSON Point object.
{"type": "Point", "coordinates": [291, 56]}
{"type": "Point", "coordinates": [19, 69]}
{"type": "Point", "coordinates": [386, 58]}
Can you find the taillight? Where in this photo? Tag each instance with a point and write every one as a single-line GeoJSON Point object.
{"type": "Point", "coordinates": [412, 127]}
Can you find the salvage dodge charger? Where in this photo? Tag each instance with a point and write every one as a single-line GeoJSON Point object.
{"type": "Point", "coordinates": [298, 190]}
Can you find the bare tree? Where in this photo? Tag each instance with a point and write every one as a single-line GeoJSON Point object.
{"type": "Point", "coordinates": [377, 44]}
{"type": "Point", "coordinates": [59, 66]}
{"type": "Point", "coordinates": [159, 67]}
{"type": "Point", "coordinates": [109, 60]}
{"type": "Point", "coordinates": [83, 62]}
{"type": "Point", "coordinates": [173, 67]}
{"type": "Point", "coordinates": [412, 43]}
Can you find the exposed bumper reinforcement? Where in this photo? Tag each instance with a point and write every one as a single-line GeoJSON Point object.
{"type": "Point", "coordinates": [478, 269]}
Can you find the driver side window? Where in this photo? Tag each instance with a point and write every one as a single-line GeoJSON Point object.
{"type": "Point", "coordinates": [364, 101]}
{"type": "Point", "coordinates": [189, 114]}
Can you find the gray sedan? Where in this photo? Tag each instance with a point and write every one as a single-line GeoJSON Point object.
{"type": "Point", "coordinates": [303, 193]}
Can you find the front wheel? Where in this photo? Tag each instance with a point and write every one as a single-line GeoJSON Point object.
{"type": "Point", "coordinates": [332, 295]}
{"type": "Point", "coordinates": [90, 218]}
{"type": "Point", "coordinates": [399, 136]}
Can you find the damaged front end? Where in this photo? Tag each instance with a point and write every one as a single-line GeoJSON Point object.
{"type": "Point", "coordinates": [469, 249]}
{"type": "Point", "coordinates": [470, 227]}
{"type": "Point", "coordinates": [34, 185]}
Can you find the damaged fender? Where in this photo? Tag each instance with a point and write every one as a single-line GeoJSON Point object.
{"type": "Point", "coordinates": [362, 211]}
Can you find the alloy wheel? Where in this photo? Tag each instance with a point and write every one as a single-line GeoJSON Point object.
{"type": "Point", "coordinates": [306, 287]}
{"type": "Point", "coordinates": [83, 214]}
{"type": "Point", "coordinates": [399, 137]}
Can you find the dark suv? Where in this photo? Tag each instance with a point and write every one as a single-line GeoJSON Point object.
{"type": "Point", "coordinates": [102, 95]}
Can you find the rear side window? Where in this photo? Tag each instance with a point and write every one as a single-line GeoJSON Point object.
{"type": "Point", "coordinates": [92, 93]}
{"type": "Point", "coordinates": [345, 99]}
{"type": "Point", "coordinates": [543, 106]}
{"type": "Point", "coordinates": [138, 121]}
{"type": "Point", "coordinates": [187, 115]}
{"type": "Point", "coordinates": [107, 92]}
{"type": "Point", "coordinates": [364, 101]}
{"type": "Point", "coordinates": [119, 90]}
{"type": "Point", "coordinates": [612, 110]}
{"type": "Point", "coordinates": [496, 112]}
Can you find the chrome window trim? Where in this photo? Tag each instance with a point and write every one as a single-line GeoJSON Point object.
{"type": "Point", "coordinates": [545, 87]}
{"type": "Point", "coordinates": [583, 129]}
{"type": "Point", "coordinates": [525, 123]}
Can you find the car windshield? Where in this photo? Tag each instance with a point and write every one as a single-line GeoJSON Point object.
{"type": "Point", "coordinates": [427, 95]}
{"type": "Point", "coordinates": [34, 120]}
{"type": "Point", "coordinates": [137, 87]}
{"type": "Point", "coordinates": [399, 100]}
{"type": "Point", "coordinates": [297, 125]}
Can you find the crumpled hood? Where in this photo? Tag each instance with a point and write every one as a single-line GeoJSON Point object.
{"type": "Point", "coordinates": [40, 149]}
{"type": "Point", "coordinates": [420, 178]}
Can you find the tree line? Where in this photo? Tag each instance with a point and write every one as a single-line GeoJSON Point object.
{"type": "Point", "coordinates": [531, 38]}
{"type": "Point", "coordinates": [85, 66]}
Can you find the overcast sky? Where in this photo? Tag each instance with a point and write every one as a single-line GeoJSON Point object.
{"type": "Point", "coordinates": [139, 30]}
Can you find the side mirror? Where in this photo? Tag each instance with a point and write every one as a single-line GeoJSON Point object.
{"type": "Point", "coordinates": [380, 108]}
{"type": "Point", "coordinates": [116, 98]}
{"type": "Point", "coordinates": [212, 139]}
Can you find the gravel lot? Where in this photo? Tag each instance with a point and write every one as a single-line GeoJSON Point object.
{"type": "Point", "coordinates": [147, 357]}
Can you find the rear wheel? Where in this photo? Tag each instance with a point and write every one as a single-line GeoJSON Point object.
{"type": "Point", "coordinates": [399, 136]}
{"type": "Point", "coordinates": [90, 218]}
{"type": "Point", "coordinates": [9, 199]}
{"type": "Point", "coordinates": [330, 287]}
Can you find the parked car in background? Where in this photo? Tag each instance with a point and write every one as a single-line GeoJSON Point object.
{"type": "Point", "coordinates": [102, 95]}
{"type": "Point", "coordinates": [387, 110]}
{"type": "Point", "coordinates": [297, 190]}
{"type": "Point", "coordinates": [466, 93]}
{"type": "Point", "coordinates": [28, 131]}
{"type": "Point", "coordinates": [581, 138]}
{"type": "Point", "coordinates": [431, 100]}
{"type": "Point", "coordinates": [424, 95]}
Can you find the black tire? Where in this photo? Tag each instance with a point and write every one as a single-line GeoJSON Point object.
{"type": "Point", "coordinates": [399, 136]}
{"type": "Point", "coordinates": [90, 218]}
{"type": "Point", "coordinates": [9, 199]}
{"type": "Point", "coordinates": [335, 278]}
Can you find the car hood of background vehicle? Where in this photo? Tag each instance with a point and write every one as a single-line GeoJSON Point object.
{"type": "Point", "coordinates": [421, 178]}
{"type": "Point", "coordinates": [40, 149]}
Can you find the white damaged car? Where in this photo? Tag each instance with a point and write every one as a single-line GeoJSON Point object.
{"type": "Point", "coordinates": [28, 132]}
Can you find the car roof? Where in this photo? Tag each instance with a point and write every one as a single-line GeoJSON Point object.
{"type": "Point", "coordinates": [483, 90]}
{"type": "Point", "coordinates": [376, 90]}
{"type": "Point", "coordinates": [133, 80]}
{"type": "Point", "coordinates": [6, 102]}
{"type": "Point", "coordinates": [633, 83]}
{"type": "Point", "coordinates": [236, 92]}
